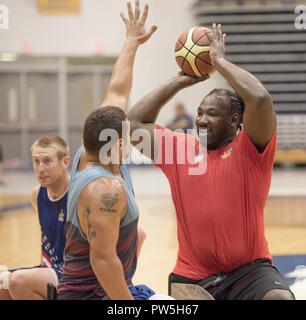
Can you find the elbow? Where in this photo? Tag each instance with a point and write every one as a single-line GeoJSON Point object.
{"type": "Point", "coordinates": [133, 116]}
{"type": "Point", "coordinates": [141, 235]}
{"type": "Point", "coordinates": [102, 259]}
{"type": "Point", "coordinates": [263, 99]}
{"type": "Point", "coordinates": [119, 90]}
{"type": "Point", "coordinates": [96, 260]}
{"type": "Point", "coordinates": [135, 124]}
{"type": "Point", "coordinates": [100, 265]}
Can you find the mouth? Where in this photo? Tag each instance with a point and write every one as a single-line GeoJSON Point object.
{"type": "Point", "coordinates": [204, 130]}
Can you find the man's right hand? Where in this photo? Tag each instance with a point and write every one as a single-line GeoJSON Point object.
{"type": "Point", "coordinates": [186, 81]}
{"type": "Point", "coordinates": [135, 25]}
{"type": "Point", "coordinates": [216, 40]}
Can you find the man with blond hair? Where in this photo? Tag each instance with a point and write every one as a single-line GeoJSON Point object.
{"type": "Point", "coordinates": [50, 155]}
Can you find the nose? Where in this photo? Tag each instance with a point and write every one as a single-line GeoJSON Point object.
{"type": "Point", "coordinates": [203, 121]}
{"type": "Point", "coordinates": [40, 167]}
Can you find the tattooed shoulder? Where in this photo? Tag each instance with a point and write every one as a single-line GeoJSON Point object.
{"type": "Point", "coordinates": [109, 200]}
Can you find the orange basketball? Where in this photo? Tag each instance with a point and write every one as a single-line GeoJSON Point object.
{"type": "Point", "coordinates": [192, 52]}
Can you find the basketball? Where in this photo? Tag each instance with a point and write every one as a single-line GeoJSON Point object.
{"type": "Point", "coordinates": [192, 52]}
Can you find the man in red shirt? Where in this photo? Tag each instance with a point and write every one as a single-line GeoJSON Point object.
{"type": "Point", "coordinates": [220, 189]}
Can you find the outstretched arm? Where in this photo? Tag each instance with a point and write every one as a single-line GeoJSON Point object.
{"type": "Point", "coordinates": [118, 91]}
{"type": "Point", "coordinates": [147, 108]}
{"type": "Point", "coordinates": [259, 117]}
{"type": "Point", "coordinates": [144, 113]}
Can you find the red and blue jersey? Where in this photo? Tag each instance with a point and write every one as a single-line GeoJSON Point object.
{"type": "Point", "coordinates": [79, 280]}
{"type": "Point", "coordinates": [52, 218]}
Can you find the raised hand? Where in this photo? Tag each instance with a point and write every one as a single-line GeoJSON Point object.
{"type": "Point", "coordinates": [186, 81]}
{"type": "Point", "coordinates": [217, 43]}
{"type": "Point", "coordinates": [135, 23]}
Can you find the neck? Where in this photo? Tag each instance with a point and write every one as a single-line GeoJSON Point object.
{"type": "Point", "coordinates": [95, 161]}
{"type": "Point", "coordinates": [224, 143]}
{"type": "Point", "coordinates": [58, 189]}
{"type": "Point", "coordinates": [113, 168]}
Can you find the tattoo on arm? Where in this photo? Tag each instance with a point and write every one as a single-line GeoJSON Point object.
{"type": "Point", "coordinates": [109, 200]}
{"type": "Point", "coordinates": [91, 233]}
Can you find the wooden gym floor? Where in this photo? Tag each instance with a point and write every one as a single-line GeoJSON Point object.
{"type": "Point", "coordinates": [20, 235]}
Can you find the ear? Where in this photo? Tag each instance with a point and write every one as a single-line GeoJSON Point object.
{"type": "Point", "coordinates": [66, 161]}
{"type": "Point", "coordinates": [236, 119]}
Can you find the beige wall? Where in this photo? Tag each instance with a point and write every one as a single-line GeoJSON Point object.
{"type": "Point", "coordinates": [100, 23]}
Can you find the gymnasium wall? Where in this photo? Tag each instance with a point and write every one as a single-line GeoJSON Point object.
{"type": "Point", "coordinates": [98, 28]}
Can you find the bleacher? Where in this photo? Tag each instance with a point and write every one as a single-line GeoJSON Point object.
{"type": "Point", "coordinates": [262, 38]}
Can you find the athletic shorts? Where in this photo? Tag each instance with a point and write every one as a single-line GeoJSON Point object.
{"type": "Point", "coordinates": [249, 282]}
{"type": "Point", "coordinates": [139, 292]}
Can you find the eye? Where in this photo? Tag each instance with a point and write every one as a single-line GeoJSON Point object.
{"type": "Point", "coordinates": [199, 113]}
{"type": "Point", "coordinates": [213, 113]}
{"type": "Point", "coordinates": [47, 161]}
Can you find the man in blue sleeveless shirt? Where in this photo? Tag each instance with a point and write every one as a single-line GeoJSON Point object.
{"type": "Point", "coordinates": [50, 156]}
{"type": "Point", "coordinates": [102, 214]}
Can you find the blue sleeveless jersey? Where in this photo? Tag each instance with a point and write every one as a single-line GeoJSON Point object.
{"type": "Point", "coordinates": [78, 280]}
{"type": "Point", "coordinates": [52, 218]}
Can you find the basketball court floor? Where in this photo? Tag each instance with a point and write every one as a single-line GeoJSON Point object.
{"type": "Point", "coordinates": [285, 225]}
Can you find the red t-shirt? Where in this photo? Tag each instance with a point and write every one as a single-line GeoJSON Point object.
{"type": "Point", "coordinates": [220, 219]}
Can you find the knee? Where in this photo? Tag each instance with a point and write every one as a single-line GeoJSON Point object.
{"type": "Point", "coordinates": [278, 294]}
{"type": "Point", "coordinates": [17, 282]}
{"type": "Point", "coordinates": [141, 236]}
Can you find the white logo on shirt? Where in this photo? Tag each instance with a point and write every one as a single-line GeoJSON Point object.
{"type": "Point", "coordinates": [226, 154]}
{"type": "Point", "coordinates": [199, 158]}
{"type": "Point", "coordinates": [61, 216]}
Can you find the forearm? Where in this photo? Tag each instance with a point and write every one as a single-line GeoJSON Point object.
{"type": "Point", "coordinates": [122, 74]}
{"type": "Point", "coordinates": [147, 109]}
{"type": "Point", "coordinates": [111, 277]}
{"type": "Point", "coordinates": [245, 84]}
